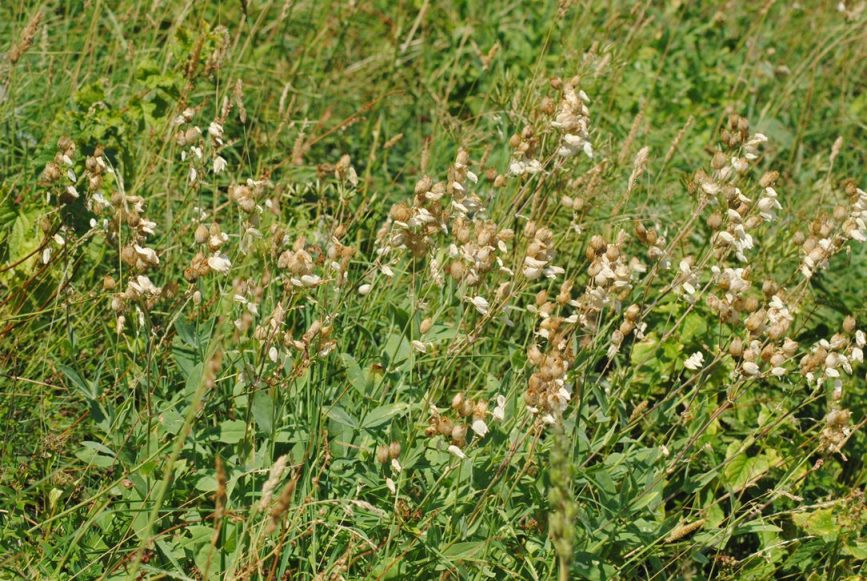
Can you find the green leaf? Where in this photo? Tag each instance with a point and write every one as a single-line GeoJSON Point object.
{"type": "Point", "coordinates": [743, 470]}
{"type": "Point", "coordinates": [354, 374]}
{"type": "Point", "coordinates": [858, 550]}
{"type": "Point", "coordinates": [95, 454]}
{"type": "Point", "coordinates": [263, 411]}
{"type": "Point", "coordinates": [232, 431]}
{"type": "Point", "coordinates": [341, 416]}
{"type": "Point", "coordinates": [694, 327]}
{"type": "Point", "coordinates": [757, 526]}
{"type": "Point", "coordinates": [382, 414]}
{"type": "Point", "coordinates": [85, 388]}
{"type": "Point", "coordinates": [820, 523]}
{"type": "Point", "coordinates": [465, 550]}
{"type": "Point", "coordinates": [23, 240]}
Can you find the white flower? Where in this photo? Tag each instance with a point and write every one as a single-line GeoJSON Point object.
{"type": "Point", "coordinates": [147, 254]}
{"type": "Point", "coordinates": [457, 452]}
{"type": "Point", "coordinates": [499, 412]}
{"type": "Point", "coordinates": [219, 263]}
{"type": "Point", "coordinates": [694, 361]}
{"type": "Point", "coordinates": [142, 285]}
{"type": "Point", "coordinates": [147, 226]}
{"type": "Point", "coordinates": [481, 304]}
{"type": "Point", "coordinates": [215, 130]}
{"type": "Point", "coordinates": [479, 427]}
{"type": "Point", "coordinates": [219, 164]}
{"type": "Point", "coordinates": [309, 280]}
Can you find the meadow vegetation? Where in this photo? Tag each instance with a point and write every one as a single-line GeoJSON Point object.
{"type": "Point", "coordinates": [421, 289]}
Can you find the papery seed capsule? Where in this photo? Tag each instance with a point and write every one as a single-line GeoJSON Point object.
{"type": "Point", "coordinates": [201, 234]}
{"type": "Point", "coordinates": [849, 324]}
{"type": "Point", "coordinates": [714, 221]}
{"type": "Point", "coordinates": [597, 243]}
{"type": "Point", "coordinates": [425, 325]}
{"type": "Point", "coordinates": [769, 178]}
{"type": "Point", "coordinates": [459, 434]}
{"type": "Point", "coordinates": [457, 270]}
{"type": "Point", "coordinates": [445, 426]}
{"type": "Point", "coordinates": [457, 401]}
{"type": "Point", "coordinates": [534, 355]}
{"type": "Point", "coordinates": [394, 450]}
{"type": "Point", "coordinates": [736, 348]}
{"type": "Point", "coordinates": [755, 321]}
{"type": "Point", "coordinates": [382, 454]}
{"type": "Point", "coordinates": [481, 409]}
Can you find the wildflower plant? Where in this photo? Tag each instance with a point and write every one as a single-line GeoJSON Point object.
{"type": "Point", "coordinates": [370, 290]}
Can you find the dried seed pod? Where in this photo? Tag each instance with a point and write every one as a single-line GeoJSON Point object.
{"type": "Point", "coordinates": [425, 325]}
{"type": "Point", "coordinates": [736, 348]}
{"type": "Point", "coordinates": [394, 450]}
{"type": "Point", "coordinates": [382, 454]}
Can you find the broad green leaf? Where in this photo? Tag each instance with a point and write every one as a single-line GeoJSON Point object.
{"type": "Point", "coordinates": [820, 523]}
{"type": "Point", "coordinates": [232, 431]}
{"type": "Point", "coordinates": [354, 374]}
{"type": "Point", "coordinates": [382, 414]}
{"type": "Point", "coordinates": [341, 416]}
{"type": "Point", "coordinates": [263, 410]}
